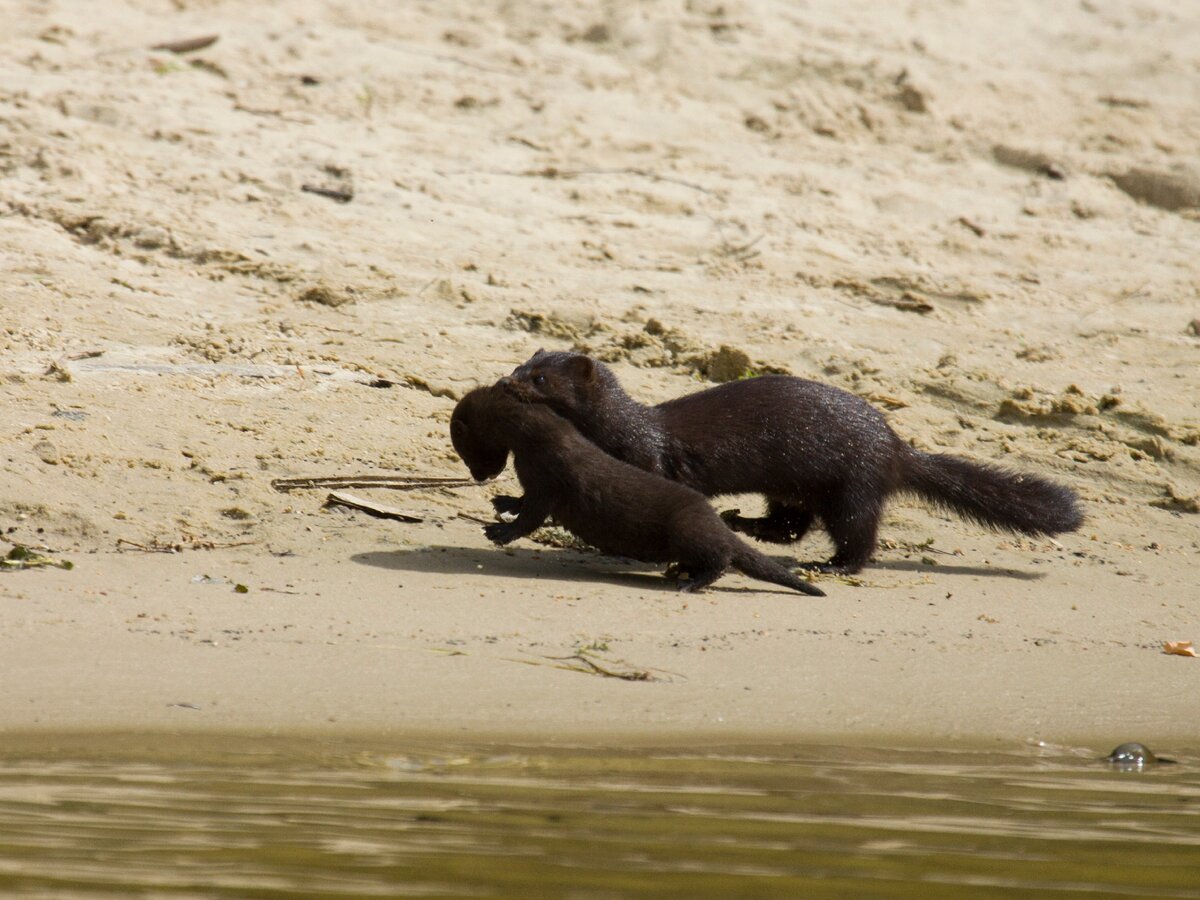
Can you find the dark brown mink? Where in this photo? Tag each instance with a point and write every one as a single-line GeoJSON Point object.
{"type": "Point", "coordinates": [614, 506]}
{"type": "Point", "coordinates": [815, 451]}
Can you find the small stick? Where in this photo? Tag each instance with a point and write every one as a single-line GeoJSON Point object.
{"type": "Point", "coordinates": [380, 510]}
{"type": "Point", "coordinates": [395, 482]}
{"type": "Point", "coordinates": [475, 519]}
{"type": "Point", "coordinates": [157, 546]}
{"type": "Point", "coordinates": [151, 548]}
{"type": "Point", "coordinates": [971, 226]}
{"type": "Point", "coordinates": [332, 193]}
{"type": "Point", "coordinates": [187, 45]}
{"type": "Point", "coordinates": [596, 669]}
{"type": "Point", "coordinates": [553, 172]}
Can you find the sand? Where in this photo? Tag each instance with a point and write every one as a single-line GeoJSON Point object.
{"type": "Point", "coordinates": [980, 216]}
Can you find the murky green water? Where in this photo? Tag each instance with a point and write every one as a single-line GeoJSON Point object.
{"type": "Point", "coordinates": [178, 817]}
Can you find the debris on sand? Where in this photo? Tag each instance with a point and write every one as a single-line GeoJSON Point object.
{"type": "Point", "coordinates": [326, 295]}
{"type": "Point", "coordinates": [188, 45]}
{"type": "Point", "coordinates": [395, 482]}
{"type": "Point", "coordinates": [1029, 160]}
{"type": "Point", "coordinates": [379, 510]}
{"type": "Point", "coordinates": [22, 557]}
{"type": "Point", "coordinates": [1177, 501]}
{"type": "Point", "coordinates": [724, 364]}
{"type": "Point", "coordinates": [1171, 191]}
{"type": "Point", "coordinates": [1179, 648]}
{"type": "Point", "coordinates": [338, 194]}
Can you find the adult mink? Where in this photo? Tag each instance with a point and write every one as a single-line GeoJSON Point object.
{"type": "Point", "coordinates": [813, 450]}
{"type": "Point", "coordinates": [612, 505]}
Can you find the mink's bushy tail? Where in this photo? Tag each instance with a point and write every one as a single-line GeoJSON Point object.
{"type": "Point", "coordinates": [991, 495]}
{"type": "Point", "coordinates": [750, 562]}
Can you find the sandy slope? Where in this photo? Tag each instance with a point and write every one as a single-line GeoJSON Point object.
{"type": "Point", "coordinates": [933, 205]}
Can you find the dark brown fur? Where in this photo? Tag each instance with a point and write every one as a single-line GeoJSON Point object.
{"type": "Point", "coordinates": [612, 505]}
{"type": "Point", "coordinates": [814, 450]}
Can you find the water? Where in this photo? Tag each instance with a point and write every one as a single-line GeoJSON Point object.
{"type": "Point", "coordinates": [186, 817]}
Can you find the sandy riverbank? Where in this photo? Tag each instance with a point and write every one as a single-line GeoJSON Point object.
{"type": "Point", "coordinates": [936, 209]}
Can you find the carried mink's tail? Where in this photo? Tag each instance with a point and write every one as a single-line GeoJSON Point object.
{"type": "Point", "coordinates": [750, 562]}
{"type": "Point", "coordinates": [991, 495]}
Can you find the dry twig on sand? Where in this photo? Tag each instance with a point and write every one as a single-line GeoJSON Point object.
{"type": "Point", "coordinates": [394, 482]}
{"type": "Point", "coordinates": [188, 543]}
{"type": "Point", "coordinates": [187, 45]}
{"type": "Point", "coordinates": [594, 668]}
{"type": "Point", "coordinates": [379, 510]}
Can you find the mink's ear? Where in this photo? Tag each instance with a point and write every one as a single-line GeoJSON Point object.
{"type": "Point", "coordinates": [458, 429]}
{"type": "Point", "coordinates": [541, 351]}
{"type": "Point", "coordinates": [583, 368]}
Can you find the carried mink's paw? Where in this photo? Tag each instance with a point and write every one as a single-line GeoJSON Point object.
{"type": "Point", "coordinates": [764, 529]}
{"type": "Point", "coordinates": [501, 532]}
{"type": "Point", "coordinates": [504, 504]}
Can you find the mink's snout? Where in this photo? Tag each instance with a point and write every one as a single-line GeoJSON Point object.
{"type": "Point", "coordinates": [514, 388]}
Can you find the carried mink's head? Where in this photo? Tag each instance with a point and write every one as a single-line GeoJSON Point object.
{"type": "Point", "coordinates": [565, 381]}
{"type": "Point", "coordinates": [471, 435]}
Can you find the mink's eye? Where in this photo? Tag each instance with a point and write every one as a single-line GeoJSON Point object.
{"type": "Point", "coordinates": [539, 380]}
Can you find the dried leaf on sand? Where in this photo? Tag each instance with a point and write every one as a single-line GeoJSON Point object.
{"type": "Point", "coordinates": [1179, 648]}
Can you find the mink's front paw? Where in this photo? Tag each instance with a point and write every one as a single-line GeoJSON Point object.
{"type": "Point", "coordinates": [503, 504]}
{"type": "Point", "coordinates": [501, 532]}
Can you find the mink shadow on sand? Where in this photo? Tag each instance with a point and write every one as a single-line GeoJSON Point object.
{"type": "Point", "coordinates": [567, 565]}
{"type": "Point", "coordinates": [912, 565]}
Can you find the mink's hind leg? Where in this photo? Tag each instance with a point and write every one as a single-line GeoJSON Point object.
{"type": "Point", "coordinates": [782, 524]}
{"type": "Point", "coordinates": [852, 519]}
{"type": "Point", "coordinates": [696, 548]}
{"type": "Point", "coordinates": [699, 579]}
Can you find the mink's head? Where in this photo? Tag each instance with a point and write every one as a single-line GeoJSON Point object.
{"type": "Point", "coordinates": [565, 381]}
{"type": "Point", "coordinates": [471, 434]}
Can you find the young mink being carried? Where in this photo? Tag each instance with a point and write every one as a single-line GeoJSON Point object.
{"type": "Point", "coordinates": [612, 505]}
{"type": "Point", "coordinates": [814, 450]}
